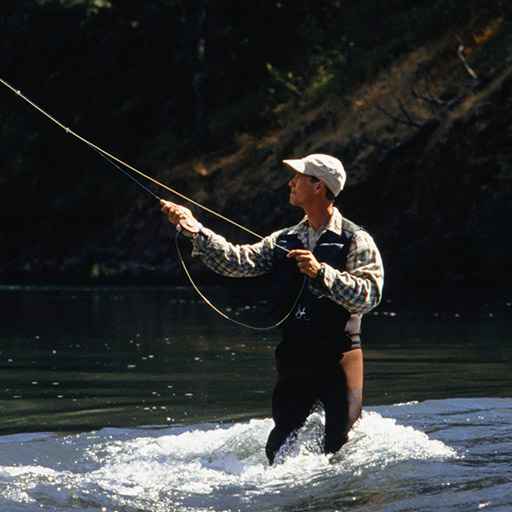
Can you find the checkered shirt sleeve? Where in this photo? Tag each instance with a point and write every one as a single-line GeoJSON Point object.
{"type": "Point", "coordinates": [233, 260]}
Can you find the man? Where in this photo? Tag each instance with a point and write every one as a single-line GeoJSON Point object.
{"type": "Point", "coordinates": [319, 358]}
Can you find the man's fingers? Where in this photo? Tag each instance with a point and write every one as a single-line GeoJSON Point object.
{"type": "Point", "coordinates": [297, 253]}
{"type": "Point", "coordinates": [304, 258]}
{"type": "Point", "coordinates": [174, 210]}
{"type": "Point", "coordinates": [180, 215]}
{"type": "Point", "coordinates": [306, 261]}
{"type": "Point", "coordinates": [170, 209]}
{"type": "Point", "coordinates": [167, 207]}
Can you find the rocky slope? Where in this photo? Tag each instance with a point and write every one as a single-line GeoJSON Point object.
{"type": "Point", "coordinates": [427, 146]}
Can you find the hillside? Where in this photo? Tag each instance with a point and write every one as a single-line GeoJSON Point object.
{"type": "Point", "coordinates": [424, 133]}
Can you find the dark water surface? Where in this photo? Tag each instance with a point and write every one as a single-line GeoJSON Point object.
{"type": "Point", "coordinates": [143, 400]}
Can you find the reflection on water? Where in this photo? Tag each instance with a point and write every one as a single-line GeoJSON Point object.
{"type": "Point", "coordinates": [87, 358]}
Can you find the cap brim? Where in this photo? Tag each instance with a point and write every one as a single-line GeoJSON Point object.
{"type": "Point", "coordinates": [296, 165]}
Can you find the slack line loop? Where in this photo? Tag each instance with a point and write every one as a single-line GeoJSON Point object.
{"type": "Point", "coordinates": [219, 311]}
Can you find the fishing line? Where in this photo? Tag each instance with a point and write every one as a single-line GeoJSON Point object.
{"type": "Point", "coordinates": [128, 175]}
{"type": "Point", "coordinates": [117, 163]}
{"type": "Point", "coordinates": [112, 158]}
{"type": "Point", "coordinates": [219, 311]}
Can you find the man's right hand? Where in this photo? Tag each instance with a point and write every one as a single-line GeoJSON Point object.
{"type": "Point", "coordinates": [180, 216]}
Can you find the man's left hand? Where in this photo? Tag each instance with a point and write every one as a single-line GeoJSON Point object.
{"type": "Point", "coordinates": [306, 262]}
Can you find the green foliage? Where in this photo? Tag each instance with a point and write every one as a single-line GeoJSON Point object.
{"type": "Point", "coordinates": [89, 7]}
{"type": "Point", "coordinates": [346, 44]}
{"type": "Point", "coordinates": [286, 80]}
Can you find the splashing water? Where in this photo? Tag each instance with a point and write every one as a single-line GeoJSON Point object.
{"type": "Point", "coordinates": [206, 467]}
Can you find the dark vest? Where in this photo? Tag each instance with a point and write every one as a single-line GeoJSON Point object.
{"type": "Point", "coordinates": [313, 336]}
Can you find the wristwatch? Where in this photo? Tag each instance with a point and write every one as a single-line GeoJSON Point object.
{"type": "Point", "coordinates": [321, 273]}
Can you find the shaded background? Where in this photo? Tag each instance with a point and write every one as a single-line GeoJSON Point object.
{"type": "Point", "coordinates": [209, 97]}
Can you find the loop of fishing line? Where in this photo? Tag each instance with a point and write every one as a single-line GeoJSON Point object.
{"type": "Point", "coordinates": [117, 163]}
{"type": "Point", "coordinates": [222, 313]}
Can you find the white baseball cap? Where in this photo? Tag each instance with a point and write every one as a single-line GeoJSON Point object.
{"type": "Point", "coordinates": [324, 167]}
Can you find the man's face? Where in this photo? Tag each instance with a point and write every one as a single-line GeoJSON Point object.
{"type": "Point", "coordinates": [303, 190]}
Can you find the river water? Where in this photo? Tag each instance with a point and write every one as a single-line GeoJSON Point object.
{"type": "Point", "coordinates": [141, 400]}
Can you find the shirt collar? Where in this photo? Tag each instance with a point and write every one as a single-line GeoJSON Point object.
{"type": "Point", "coordinates": [335, 225]}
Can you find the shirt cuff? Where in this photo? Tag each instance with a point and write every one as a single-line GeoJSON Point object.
{"type": "Point", "coordinates": [189, 234]}
{"type": "Point", "coordinates": [200, 241]}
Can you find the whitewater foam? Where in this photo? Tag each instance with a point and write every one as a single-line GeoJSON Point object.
{"type": "Point", "coordinates": [216, 466]}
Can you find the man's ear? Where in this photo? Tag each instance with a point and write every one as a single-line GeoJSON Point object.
{"type": "Point", "coordinates": [319, 185]}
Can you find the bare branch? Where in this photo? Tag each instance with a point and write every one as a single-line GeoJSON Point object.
{"type": "Point", "coordinates": [427, 98]}
{"type": "Point", "coordinates": [406, 114]}
{"type": "Point", "coordinates": [408, 121]}
{"type": "Point", "coordinates": [469, 69]}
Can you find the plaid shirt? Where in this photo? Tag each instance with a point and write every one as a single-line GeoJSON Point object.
{"type": "Point", "coordinates": [358, 288]}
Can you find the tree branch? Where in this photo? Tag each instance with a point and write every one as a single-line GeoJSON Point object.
{"type": "Point", "coordinates": [408, 121]}
{"type": "Point", "coordinates": [469, 69]}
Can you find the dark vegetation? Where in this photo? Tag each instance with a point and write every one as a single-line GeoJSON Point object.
{"type": "Point", "coordinates": [208, 96]}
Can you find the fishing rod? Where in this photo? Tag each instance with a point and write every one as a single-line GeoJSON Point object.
{"type": "Point", "coordinates": [117, 163]}
{"type": "Point", "coordinates": [128, 175]}
{"type": "Point", "coordinates": [114, 160]}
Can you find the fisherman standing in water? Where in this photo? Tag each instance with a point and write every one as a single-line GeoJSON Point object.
{"type": "Point", "coordinates": [319, 358]}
